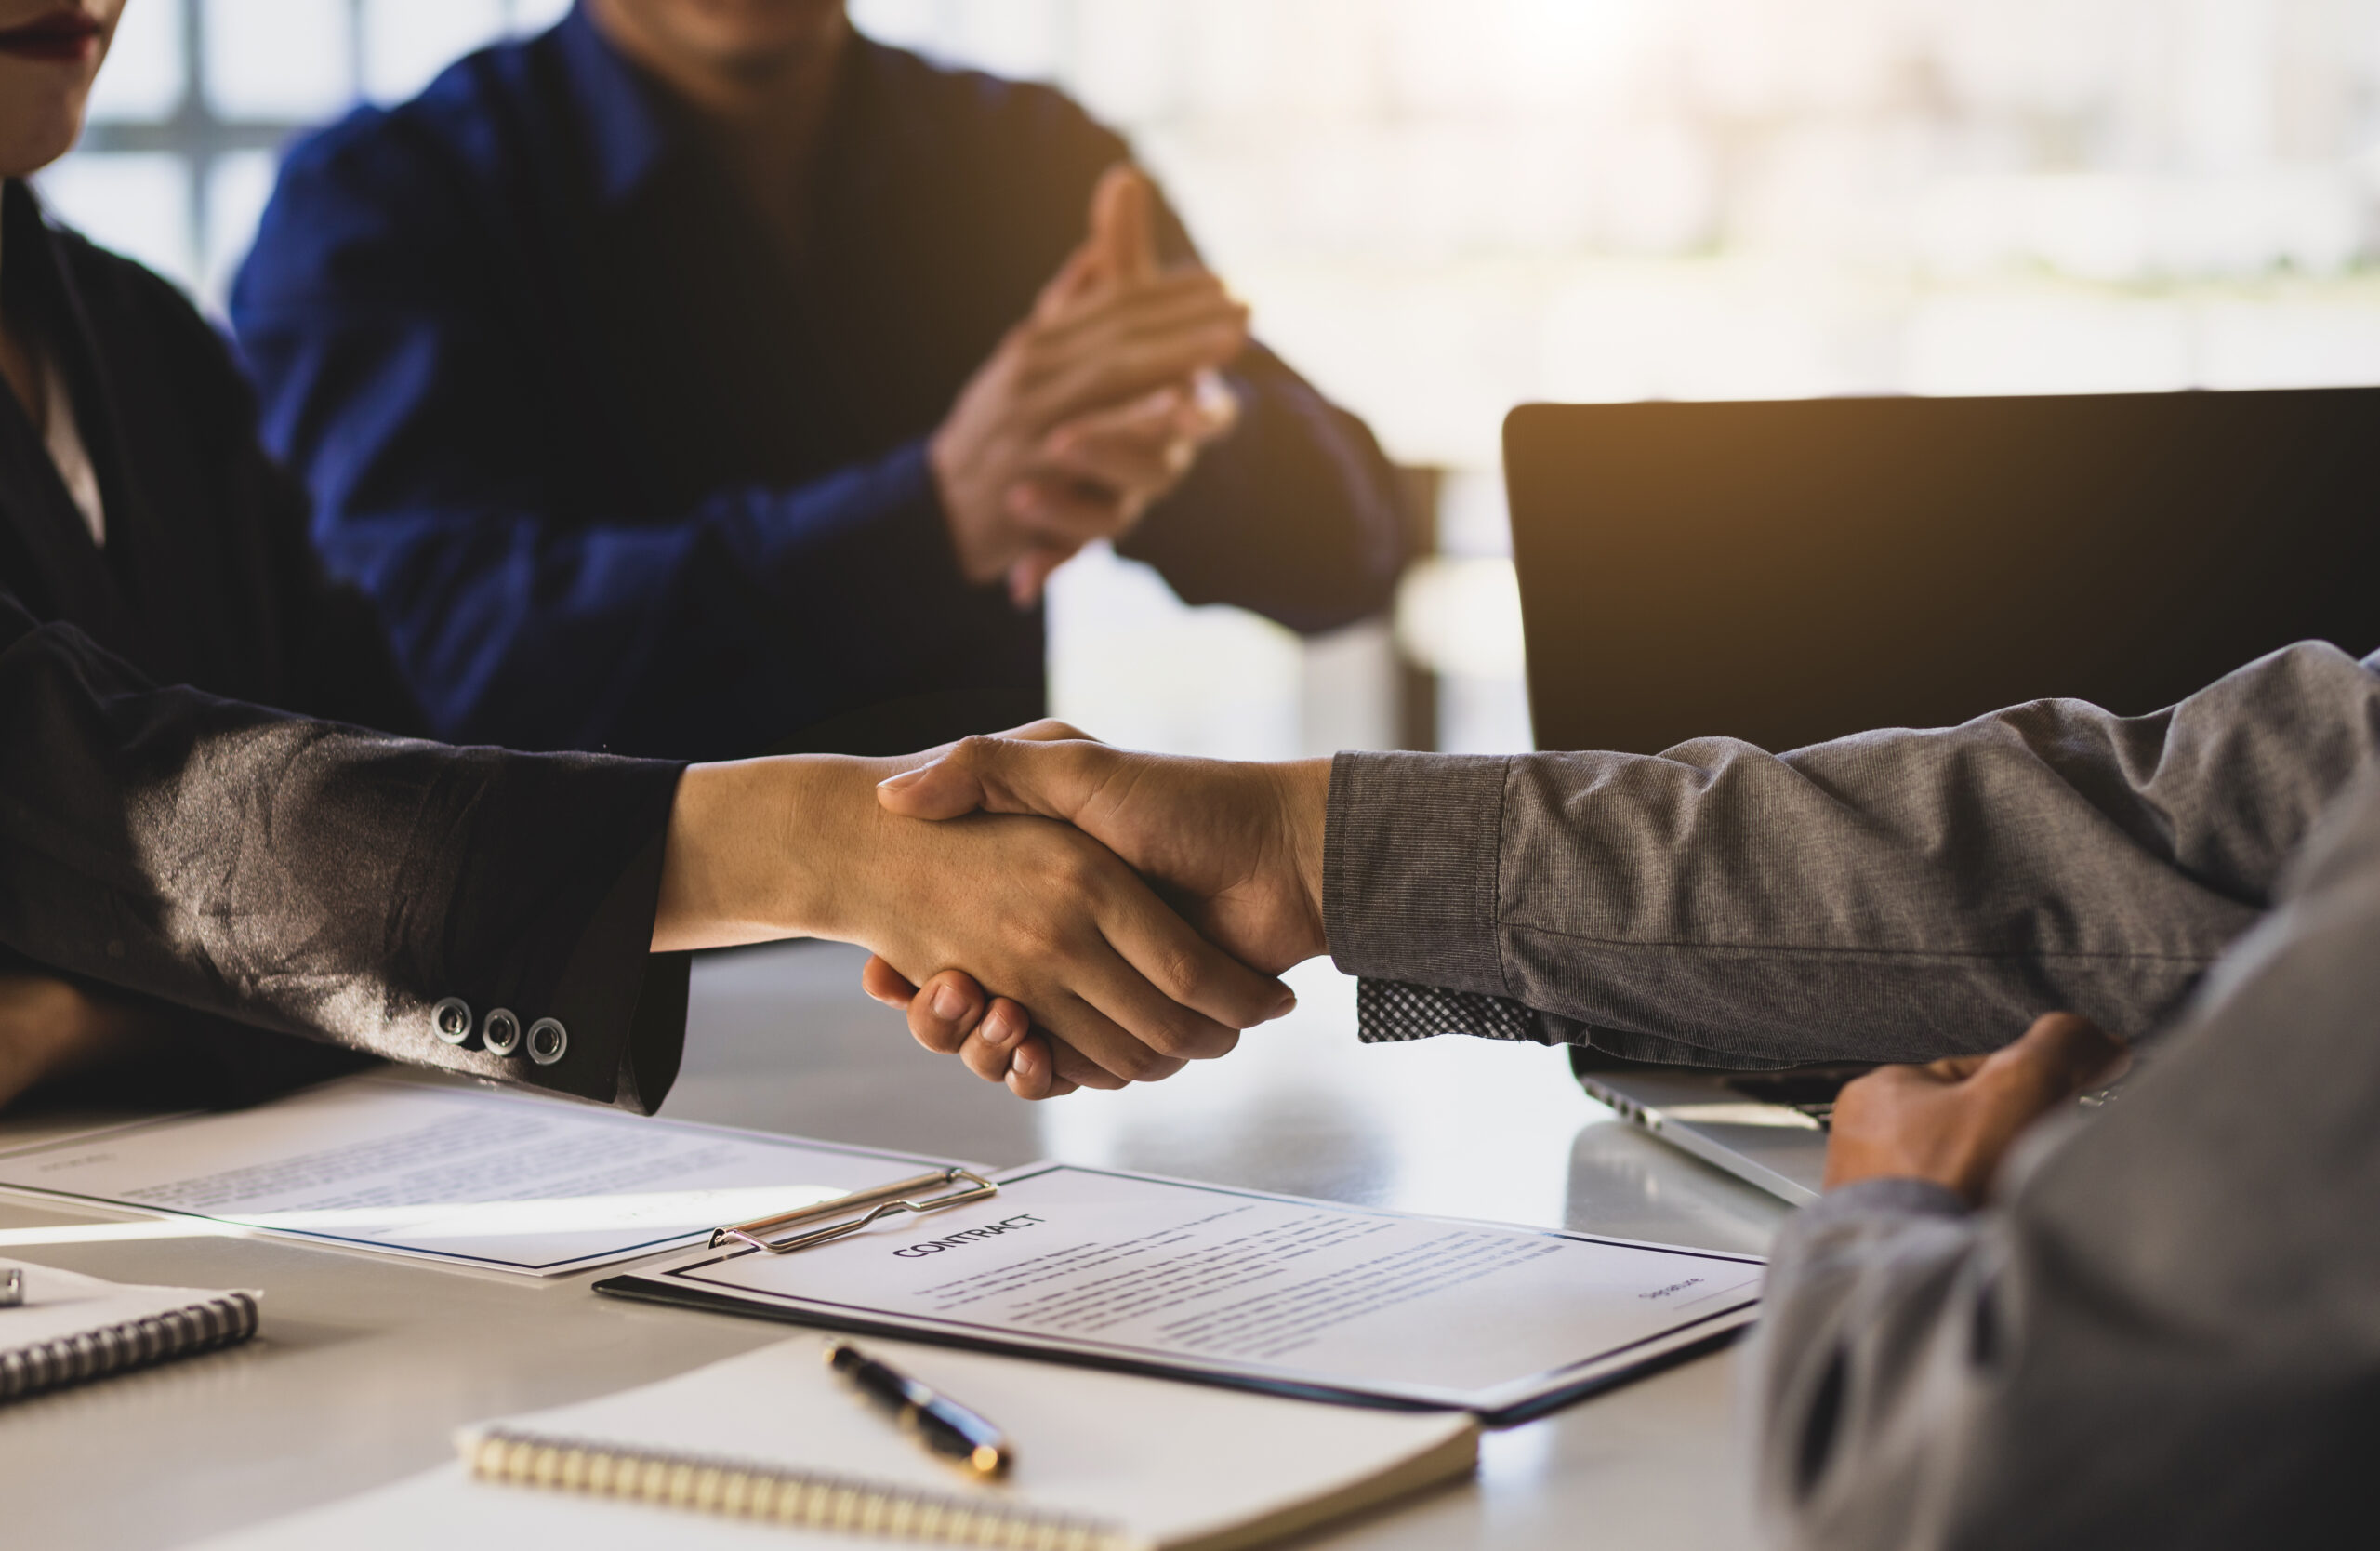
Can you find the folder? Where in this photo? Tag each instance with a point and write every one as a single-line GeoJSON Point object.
{"type": "Point", "coordinates": [1141, 1274]}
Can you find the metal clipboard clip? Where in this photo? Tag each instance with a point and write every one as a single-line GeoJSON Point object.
{"type": "Point", "coordinates": [881, 1202]}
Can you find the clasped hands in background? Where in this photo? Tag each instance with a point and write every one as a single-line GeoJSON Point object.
{"type": "Point", "coordinates": [1093, 407]}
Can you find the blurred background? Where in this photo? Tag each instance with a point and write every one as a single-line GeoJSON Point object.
{"type": "Point", "coordinates": [1440, 211]}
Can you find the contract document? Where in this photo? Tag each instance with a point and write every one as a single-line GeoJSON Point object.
{"type": "Point", "coordinates": [461, 1175]}
{"type": "Point", "coordinates": [1274, 1293]}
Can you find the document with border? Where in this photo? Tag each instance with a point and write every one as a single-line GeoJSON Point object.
{"type": "Point", "coordinates": [466, 1176]}
{"type": "Point", "coordinates": [1275, 1293]}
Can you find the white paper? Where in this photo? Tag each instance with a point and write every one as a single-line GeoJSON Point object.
{"type": "Point", "coordinates": [1286, 1290]}
{"type": "Point", "coordinates": [461, 1174]}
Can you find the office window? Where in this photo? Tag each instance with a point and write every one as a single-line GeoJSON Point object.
{"type": "Point", "coordinates": [198, 95]}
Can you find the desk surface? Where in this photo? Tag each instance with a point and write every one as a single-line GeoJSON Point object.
{"type": "Point", "coordinates": [367, 1363]}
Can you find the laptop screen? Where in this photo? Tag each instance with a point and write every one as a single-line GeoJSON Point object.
{"type": "Point", "coordinates": [1792, 571]}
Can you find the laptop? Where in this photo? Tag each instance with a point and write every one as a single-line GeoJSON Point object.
{"type": "Point", "coordinates": [1789, 572]}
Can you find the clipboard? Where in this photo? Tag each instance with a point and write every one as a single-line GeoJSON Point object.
{"type": "Point", "coordinates": [1017, 1278]}
{"type": "Point", "coordinates": [860, 1209]}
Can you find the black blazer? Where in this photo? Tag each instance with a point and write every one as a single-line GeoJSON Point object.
{"type": "Point", "coordinates": [163, 833]}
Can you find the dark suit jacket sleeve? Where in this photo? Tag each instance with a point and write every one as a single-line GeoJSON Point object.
{"type": "Point", "coordinates": [2160, 1333]}
{"type": "Point", "coordinates": [393, 382]}
{"type": "Point", "coordinates": [1896, 896]}
{"type": "Point", "coordinates": [319, 879]}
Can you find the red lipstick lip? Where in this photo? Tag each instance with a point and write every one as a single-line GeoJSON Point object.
{"type": "Point", "coordinates": [64, 36]}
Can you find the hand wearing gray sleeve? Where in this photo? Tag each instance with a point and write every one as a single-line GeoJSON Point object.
{"type": "Point", "coordinates": [2164, 1333]}
{"type": "Point", "coordinates": [1895, 895]}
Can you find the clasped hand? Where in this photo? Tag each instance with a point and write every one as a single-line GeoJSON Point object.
{"type": "Point", "coordinates": [1093, 407]}
{"type": "Point", "coordinates": [1237, 849]}
{"type": "Point", "coordinates": [1952, 1121]}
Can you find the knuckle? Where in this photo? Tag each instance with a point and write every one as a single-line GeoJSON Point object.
{"type": "Point", "coordinates": [1184, 975]}
{"type": "Point", "coordinates": [1184, 1038]}
{"type": "Point", "coordinates": [1078, 868]}
{"type": "Point", "coordinates": [1144, 1063]}
{"type": "Point", "coordinates": [1157, 1067]}
{"type": "Point", "coordinates": [973, 748]}
{"type": "Point", "coordinates": [1098, 1077]}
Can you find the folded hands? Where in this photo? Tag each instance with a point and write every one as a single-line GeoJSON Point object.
{"type": "Point", "coordinates": [1093, 407]}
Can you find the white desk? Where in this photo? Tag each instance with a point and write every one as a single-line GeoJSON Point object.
{"type": "Point", "coordinates": [366, 1363]}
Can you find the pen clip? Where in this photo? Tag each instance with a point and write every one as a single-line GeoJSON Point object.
{"type": "Point", "coordinates": [882, 1201]}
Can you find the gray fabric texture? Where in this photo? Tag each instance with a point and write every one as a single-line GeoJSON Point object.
{"type": "Point", "coordinates": [2165, 1328]}
{"type": "Point", "coordinates": [1898, 894]}
{"type": "Point", "coordinates": [2165, 1331]}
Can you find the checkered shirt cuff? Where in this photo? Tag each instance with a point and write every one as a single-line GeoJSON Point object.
{"type": "Point", "coordinates": [1390, 1011]}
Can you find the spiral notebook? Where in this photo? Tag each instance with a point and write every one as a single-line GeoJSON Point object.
{"type": "Point", "coordinates": [728, 1457]}
{"type": "Point", "coordinates": [70, 1327]}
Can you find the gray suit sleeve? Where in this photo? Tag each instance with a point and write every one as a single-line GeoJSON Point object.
{"type": "Point", "coordinates": [2162, 1333]}
{"type": "Point", "coordinates": [1898, 894]}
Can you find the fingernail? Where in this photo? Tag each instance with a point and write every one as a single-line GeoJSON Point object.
{"type": "Point", "coordinates": [1288, 1004]}
{"type": "Point", "coordinates": [1003, 1030]}
{"type": "Point", "coordinates": [906, 779]}
{"type": "Point", "coordinates": [948, 1003]}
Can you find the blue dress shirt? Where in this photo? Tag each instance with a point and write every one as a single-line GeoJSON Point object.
{"type": "Point", "coordinates": [622, 472]}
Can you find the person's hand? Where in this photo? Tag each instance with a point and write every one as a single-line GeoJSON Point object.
{"type": "Point", "coordinates": [1090, 408]}
{"type": "Point", "coordinates": [1037, 911]}
{"type": "Point", "coordinates": [1099, 471]}
{"type": "Point", "coordinates": [1952, 1120]}
{"type": "Point", "coordinates": [1237, 847]}
{"type": "Point", "coordinates": [993, 1037]}
{"type": "Point", "coordinates": [49, 1027]}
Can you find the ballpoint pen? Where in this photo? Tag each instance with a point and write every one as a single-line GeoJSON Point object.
{"type": "Point", "coordinates": [934, 1419]}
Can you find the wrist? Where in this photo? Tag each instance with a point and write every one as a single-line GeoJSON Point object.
{"type": "Point", "coordinates": [957, 496]}
{"type": "Point", "coordinates": [760, 848]}
{"type": "Point", "coordinates": [1301, 796]}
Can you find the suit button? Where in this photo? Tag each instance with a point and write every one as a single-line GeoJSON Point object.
{"type": "Point", "coordinates": [500, 1032]}
{"type": "Point", "coordinates": [451, 1020]}
{"type": "Point", "coordinates": [548, 1040]}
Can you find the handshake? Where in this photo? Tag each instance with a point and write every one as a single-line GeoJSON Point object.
{"type": "Point", "coordinates": [1058, 913]}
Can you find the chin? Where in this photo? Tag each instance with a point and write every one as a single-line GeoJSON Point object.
{"type": "Point", "coordinates": [39, 119]}
{"type": "Point", "coordinates": [757, 30]}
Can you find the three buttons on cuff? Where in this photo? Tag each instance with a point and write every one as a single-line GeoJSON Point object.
{"type": "Point", "coordinates": [500, 1034]}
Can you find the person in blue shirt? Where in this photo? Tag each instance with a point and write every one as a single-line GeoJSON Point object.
{"type": "Point", "coordinates": [694, 380]}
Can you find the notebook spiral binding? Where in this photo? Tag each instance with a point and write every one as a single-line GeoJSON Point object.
{"type": "Point", "coordinates": [801, 1499]}
{"type": "Point", "coordinates": [222, 1321]}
